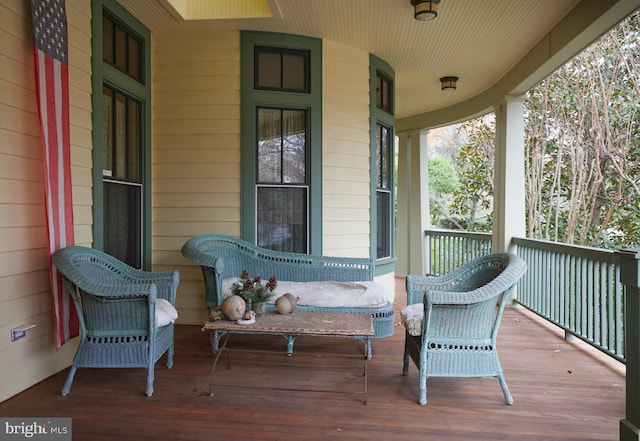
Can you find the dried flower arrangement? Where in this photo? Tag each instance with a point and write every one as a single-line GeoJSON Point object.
{"type": "Point", "coordinates": [254, 290]}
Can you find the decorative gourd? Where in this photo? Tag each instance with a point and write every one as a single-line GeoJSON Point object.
{"type": "Point", "coordinates": [287, 303]}
{"type": "Point", "coordinates": [233, 307]}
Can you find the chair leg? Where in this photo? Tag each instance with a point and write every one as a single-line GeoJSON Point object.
{"type": "Point", "coordinates": [67, 385]}
{"type": "Point", "coordinates": [170, 356]}
{"type": "Point", "coordinates": [150, 376]}
{"type": "Point", "coordinates": [405, 361]}
{"type": "Point", "coordinates": [505, 390]}
{"type": "Point", "coordinates": [422, 386]}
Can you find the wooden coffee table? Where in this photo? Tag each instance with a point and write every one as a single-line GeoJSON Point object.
{"type": "Point", "coordinates": [290, 326]}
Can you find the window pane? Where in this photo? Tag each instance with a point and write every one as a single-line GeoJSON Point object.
{"type": "Point", "coordinates": [122, 223]}
{"type": "Point", "coordinates": [133, 67]}
{"type": "Point", "coordinates": [269, 72]}
{"type": "Point", "coordinates": [294, 171]}
{"type": "Point", "coordinates": [121, 50]}
{"type": "Point", "coordinates": [293, 72]}
{"type": "Point", "coordinates": [383, 159]}
{"type": "Point", "coordinates": [383, 199]}
{"type": "Point", "coordinates": [121, 135]}
{"type": "Point", "coordinates": [133, 145]}
{"type": "Point", "coordinates": [269, 145]}
{"type": "Point", "coordinates": [107, 40]}
{"type": "Point", "coordinates": [383, 93]}
{"type": "Point", "coordinates": [281, 217]}
{"type": "Point", "coordinates": [107, 131]}
{"type": "Point", "coordinates": [120, 147]}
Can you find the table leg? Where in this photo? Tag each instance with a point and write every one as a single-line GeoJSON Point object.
{"type": "Point", "coordinates": [215, 362]}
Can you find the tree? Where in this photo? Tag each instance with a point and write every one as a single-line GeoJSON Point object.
{"type": "Point", "coordinates": [583, 147]}
{"type": "Point", "coordinates": [473, 199]}
{"type": "Point", "coordinates": [443, 181]}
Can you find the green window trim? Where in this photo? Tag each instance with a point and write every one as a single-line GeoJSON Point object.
{"type": "Point", "coordinates": [251, 99]}
{"type": "Point", "coordinates": [387, 118]}
{"type": "Point", "coordinates": [103, 73]}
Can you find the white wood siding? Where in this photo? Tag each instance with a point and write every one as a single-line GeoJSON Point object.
{"type": "Point", "coordinates": [195, 151]}
{"type": "Point", "coordinates": [345, 131]}
{"type": "Point", "coordinates": [25, 295]}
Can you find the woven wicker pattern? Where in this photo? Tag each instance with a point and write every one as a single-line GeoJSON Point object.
{"type": "Point", "coordinates": [116, 308]}
{"type": "Point", "coordinates": [223, 256]}
{"type": "Point", "coordinates": [461, 320]}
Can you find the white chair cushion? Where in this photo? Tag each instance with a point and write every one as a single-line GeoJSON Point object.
{"type": "Point", "coordinates": [329, 294]}
{"type": "Point", "coordinates": [165, 313]}
{"type": "Point", "coordinates": [412, 316]}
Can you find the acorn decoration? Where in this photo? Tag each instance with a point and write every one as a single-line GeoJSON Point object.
{"type": "Point", "coordinates": [287, 303]}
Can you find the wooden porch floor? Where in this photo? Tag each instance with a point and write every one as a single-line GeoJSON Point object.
{"type": "Point", "coordinates": [562, 391]}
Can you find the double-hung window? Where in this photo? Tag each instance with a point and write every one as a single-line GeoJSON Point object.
{"type": "Point", "coordinates": [382, 152]}
{"type": "Point", "coordinates": [280, 114]}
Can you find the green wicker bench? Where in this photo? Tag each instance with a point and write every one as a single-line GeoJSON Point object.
{"type": "Point", "coordinates": [223, 257]}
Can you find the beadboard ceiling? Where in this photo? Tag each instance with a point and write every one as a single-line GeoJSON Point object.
{"type": "Point", "coordinates": [477, 40]}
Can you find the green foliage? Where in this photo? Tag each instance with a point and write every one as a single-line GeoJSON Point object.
{"type": "Point", "coordinates": [442, 176]}
{"type": "Point", "coordinates": [443, 181]}
{"type": "Point", "coordinates": [474, 197]}
{"type": "Point", "coordinates": [583, 148]}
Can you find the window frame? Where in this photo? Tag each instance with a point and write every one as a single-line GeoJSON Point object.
{"type": "Point", "coordinates": [311, 102]}
{"type": "Point", "coordinates": [103, 73]}
{"type": "Point", "coordinates": [380, 116]}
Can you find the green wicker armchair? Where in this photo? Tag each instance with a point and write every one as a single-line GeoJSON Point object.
{"type": "Point", "coordinates": [452, 321]}
{"type": "Point", "coordinates": [123, 323]}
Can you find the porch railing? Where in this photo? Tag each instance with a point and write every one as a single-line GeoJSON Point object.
{"type": "Point", "coordinates": [449, 249]}
{"type": "Point", "coordinates": [576, 288]}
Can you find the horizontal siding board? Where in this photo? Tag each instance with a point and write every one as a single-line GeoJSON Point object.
{"type": "Point", "coordinates": [182, 200]}
{"type": "Point", "coordinates": [210, 185]}
{"type": "Point", "coordinates": [23, 284]}
{"type": "Point", "coordinates": [199, 141]}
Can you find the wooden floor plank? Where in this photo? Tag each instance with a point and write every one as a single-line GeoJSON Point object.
{"type": "Point", "coordinates": [563, 391]}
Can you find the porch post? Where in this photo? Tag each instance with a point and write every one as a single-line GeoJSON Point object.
{"type": "Point", "coordinates": [412, 203]}
{"type": "Point", "coordinates": [630, 277]}
{"type": "Point", "coordinates": [508, 181]}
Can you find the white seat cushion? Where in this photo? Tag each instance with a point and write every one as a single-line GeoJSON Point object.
{"type": "Point", "coordinates": [328, 294]}
{"type": "Point", "coordinates": [412, 317]}
{"type": "Point", "coordinates": [165, 313]}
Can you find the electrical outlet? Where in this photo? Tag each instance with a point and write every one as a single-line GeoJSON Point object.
{"type": "Point", "coordinates": [20, 332]}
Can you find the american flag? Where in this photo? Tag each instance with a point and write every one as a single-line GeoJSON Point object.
{"type": "Point", "coordinates": [52, 86]}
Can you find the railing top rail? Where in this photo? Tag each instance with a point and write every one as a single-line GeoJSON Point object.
{"type": "Point", "coordinates": [457, 233]}
{"type": "Point", "coordinates": [593, 253]}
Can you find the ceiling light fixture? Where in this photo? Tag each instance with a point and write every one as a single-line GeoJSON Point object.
{"type": "Point", "coordinates": [448, 83]}
{"type": "Point", "coordinates": [425, 10]}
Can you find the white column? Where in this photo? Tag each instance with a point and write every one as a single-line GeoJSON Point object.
{"type": "Point", "coordinates": [509, 179]}
{"type": "Point", "coordinates": [412, 204]}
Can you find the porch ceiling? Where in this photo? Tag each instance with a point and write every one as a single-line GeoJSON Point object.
{"type": "Point", "coordinates": [495, 46]}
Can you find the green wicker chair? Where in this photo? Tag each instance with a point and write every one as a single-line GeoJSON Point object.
{"type": "Point", "coordinates": [455, 320]}
{"type": "Point", "coordinates": [116, 306]}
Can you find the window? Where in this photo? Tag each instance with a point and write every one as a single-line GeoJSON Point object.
{"type": "Point", "coordinates": [121, 48]}
{"type": "Point", "coordinates": [280, 69]}
{"type": "Point", "coordinates": [382, 164]}
{"type": "Point", "coordinates": [121, 133]}
{"type": "Point", "coordinates": [383, 191]}
{"type": "Point", "coordinates": [383, 93]}
{"type": "Point", "coordinates": [281, 119]}
{"type": "Point", "coordinates": [282, 190]}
